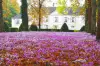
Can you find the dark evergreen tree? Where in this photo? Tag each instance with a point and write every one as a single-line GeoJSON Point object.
{"type": "Point", "coordinates": [24, 15]}
{"type": "Point", "coordinates": [64, 27]}
{"type": "Point", "coordinates": [33, 28]}
{"type": "Point", "coordinates": [83, 28]}
{"type": "Point", "coordinates": [21, 27]}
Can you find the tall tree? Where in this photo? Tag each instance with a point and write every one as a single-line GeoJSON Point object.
{"type": "Point", "coordinates": [61, 7]}
{"type": "Point", "coordinates": [1, 18]}
{"type": "Point", "coordinates": [37, 10]}
{"type": "Point", "coordinates": [24, 15]}
{"type": "Point", "coordinates": [86, 15]}
{"type": "Point", "coordinates": [40, 6]}
{"type": "Point", "coordinates": [98, 21]}
{"type": "Point", "coordinates": [86, 20]}
{"type": "Point", "coordinates": [75, 5]}
{"type": "Point", "coordinates": [89, 16]}
{"type": "Point", "coordinates": [10, 9]}
{"type": "Point", "coordinates": [93, 17]}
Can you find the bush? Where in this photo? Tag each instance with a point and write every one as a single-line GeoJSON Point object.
{"type": "Point", "coordinates": [6, 27]}
{"type": "Point", "coordinates": [76, 30]}
{"type": "Point", "coordinates": [13, 29]}
{"type": "Point", "coordinates": [33, 28]}
{"type": "Point", "coordinates": [64, 27]}
{"type": "Point", "coordinates": [21, 27]}
{"type": "Point", "coordinates": [83, 28]}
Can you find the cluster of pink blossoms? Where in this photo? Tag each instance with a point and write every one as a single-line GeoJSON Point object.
{"type": "Point", "coordinates": [49, 49]}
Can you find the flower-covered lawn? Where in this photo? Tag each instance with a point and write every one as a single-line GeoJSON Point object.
{"type": "Point", "coordinates": [49, 49]}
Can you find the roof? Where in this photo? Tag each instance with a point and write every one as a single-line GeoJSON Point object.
{"type": "Point", "coordinates": [70, 12]}
{"type": "Point", "coordinates": [51, 9]}
{"type": "Point", "coordinates": [18, 16]}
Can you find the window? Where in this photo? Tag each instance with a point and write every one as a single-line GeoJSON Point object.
{"type": "Point", "coordinates": [46, 26]}
{"type": "Point", "coordinates": [53, 4]}
{"type": "Point", "coordinates": [46, 20]}
{"type": "Point", "coordinates": [72, 26]}
{"type": "Point", "coordinates": [73, 19]}
{"type": "Point", "coordinates": [55, 26]}
{"type": "Point", "coordinates": [65, 19]}
{"type": "Point", "coordinates": [17, 22]}
{"type": "Point", "coordinates": [56, 19]}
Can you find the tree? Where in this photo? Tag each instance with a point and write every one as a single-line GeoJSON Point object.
{"type": "Point", "coordinates": [33, 27]}
{"type": "Point", "coordinates": [1, 18]}
{"type": "Point", "coordinates": [75, 5]}
{"type": "Point", "coordinates": [83, 8]}
{"type": "Point", "coordinates": [64, 27]}
{"type": "Point", "coordinates": [10, 9]}
{"type": "Point", "coordinates": [98, 21]}
{"type": "Point", "coordinates": [86, 15]}
{"type": "Point", "coordinates": [93, 17]}
{"type": "Point", "coordinates": [61, 7]}
{"type": "Point", "coordinates": [24, 15]}
{"type": "Point", "coordinates": [89, 9]}
{"type": "Point", "coordinates": [6, 27]}
{"type": "Point", "coordinates": [37, 10]}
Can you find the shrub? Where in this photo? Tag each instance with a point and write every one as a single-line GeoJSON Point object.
{"type": "Point", "coordinates": [22, 28]}
{"type": "Point", "coordinates": [13, 29]}
{"type": "Point", "coordinates": [64, 27]}
{"type": "Point", "coordinates": [33, 28]}
{"type": "Point", "coordinates": [83, 28]}
{"type": "Point", "coordinates": [76, 30]}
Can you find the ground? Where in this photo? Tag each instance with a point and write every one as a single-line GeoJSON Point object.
{"type": "Point", "coordinates": [49, 49]}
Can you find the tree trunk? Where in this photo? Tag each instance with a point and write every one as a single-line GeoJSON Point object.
{"type": "Point", "coordinates": [39, 15]}
{"type": "Point", "coordinates": [98, 22]}
{"type": "Point", "coordinates": [86, 19]}
{"type": "Point", "coordinates": [1, 18]}
{"type": "Point", "coordinates": [89, 16]}
{"type": "Point", "coordinates": [24, 15]}
{"type": "Point", "coordinates": [93, 17]}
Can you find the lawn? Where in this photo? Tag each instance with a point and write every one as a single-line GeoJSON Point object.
{"type": "Point", "coordinates": [49, 49]}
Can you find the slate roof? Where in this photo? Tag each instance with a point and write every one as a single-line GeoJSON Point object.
{"type": "Point", "coordinates": [70, 11]}
{"type": "Point", "coordinates": [18, 16]}
{"type": "Point", "coordinates": [51, 9]}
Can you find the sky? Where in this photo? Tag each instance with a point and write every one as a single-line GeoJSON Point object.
{"type": "Point", "coordinates": [19, 2]}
